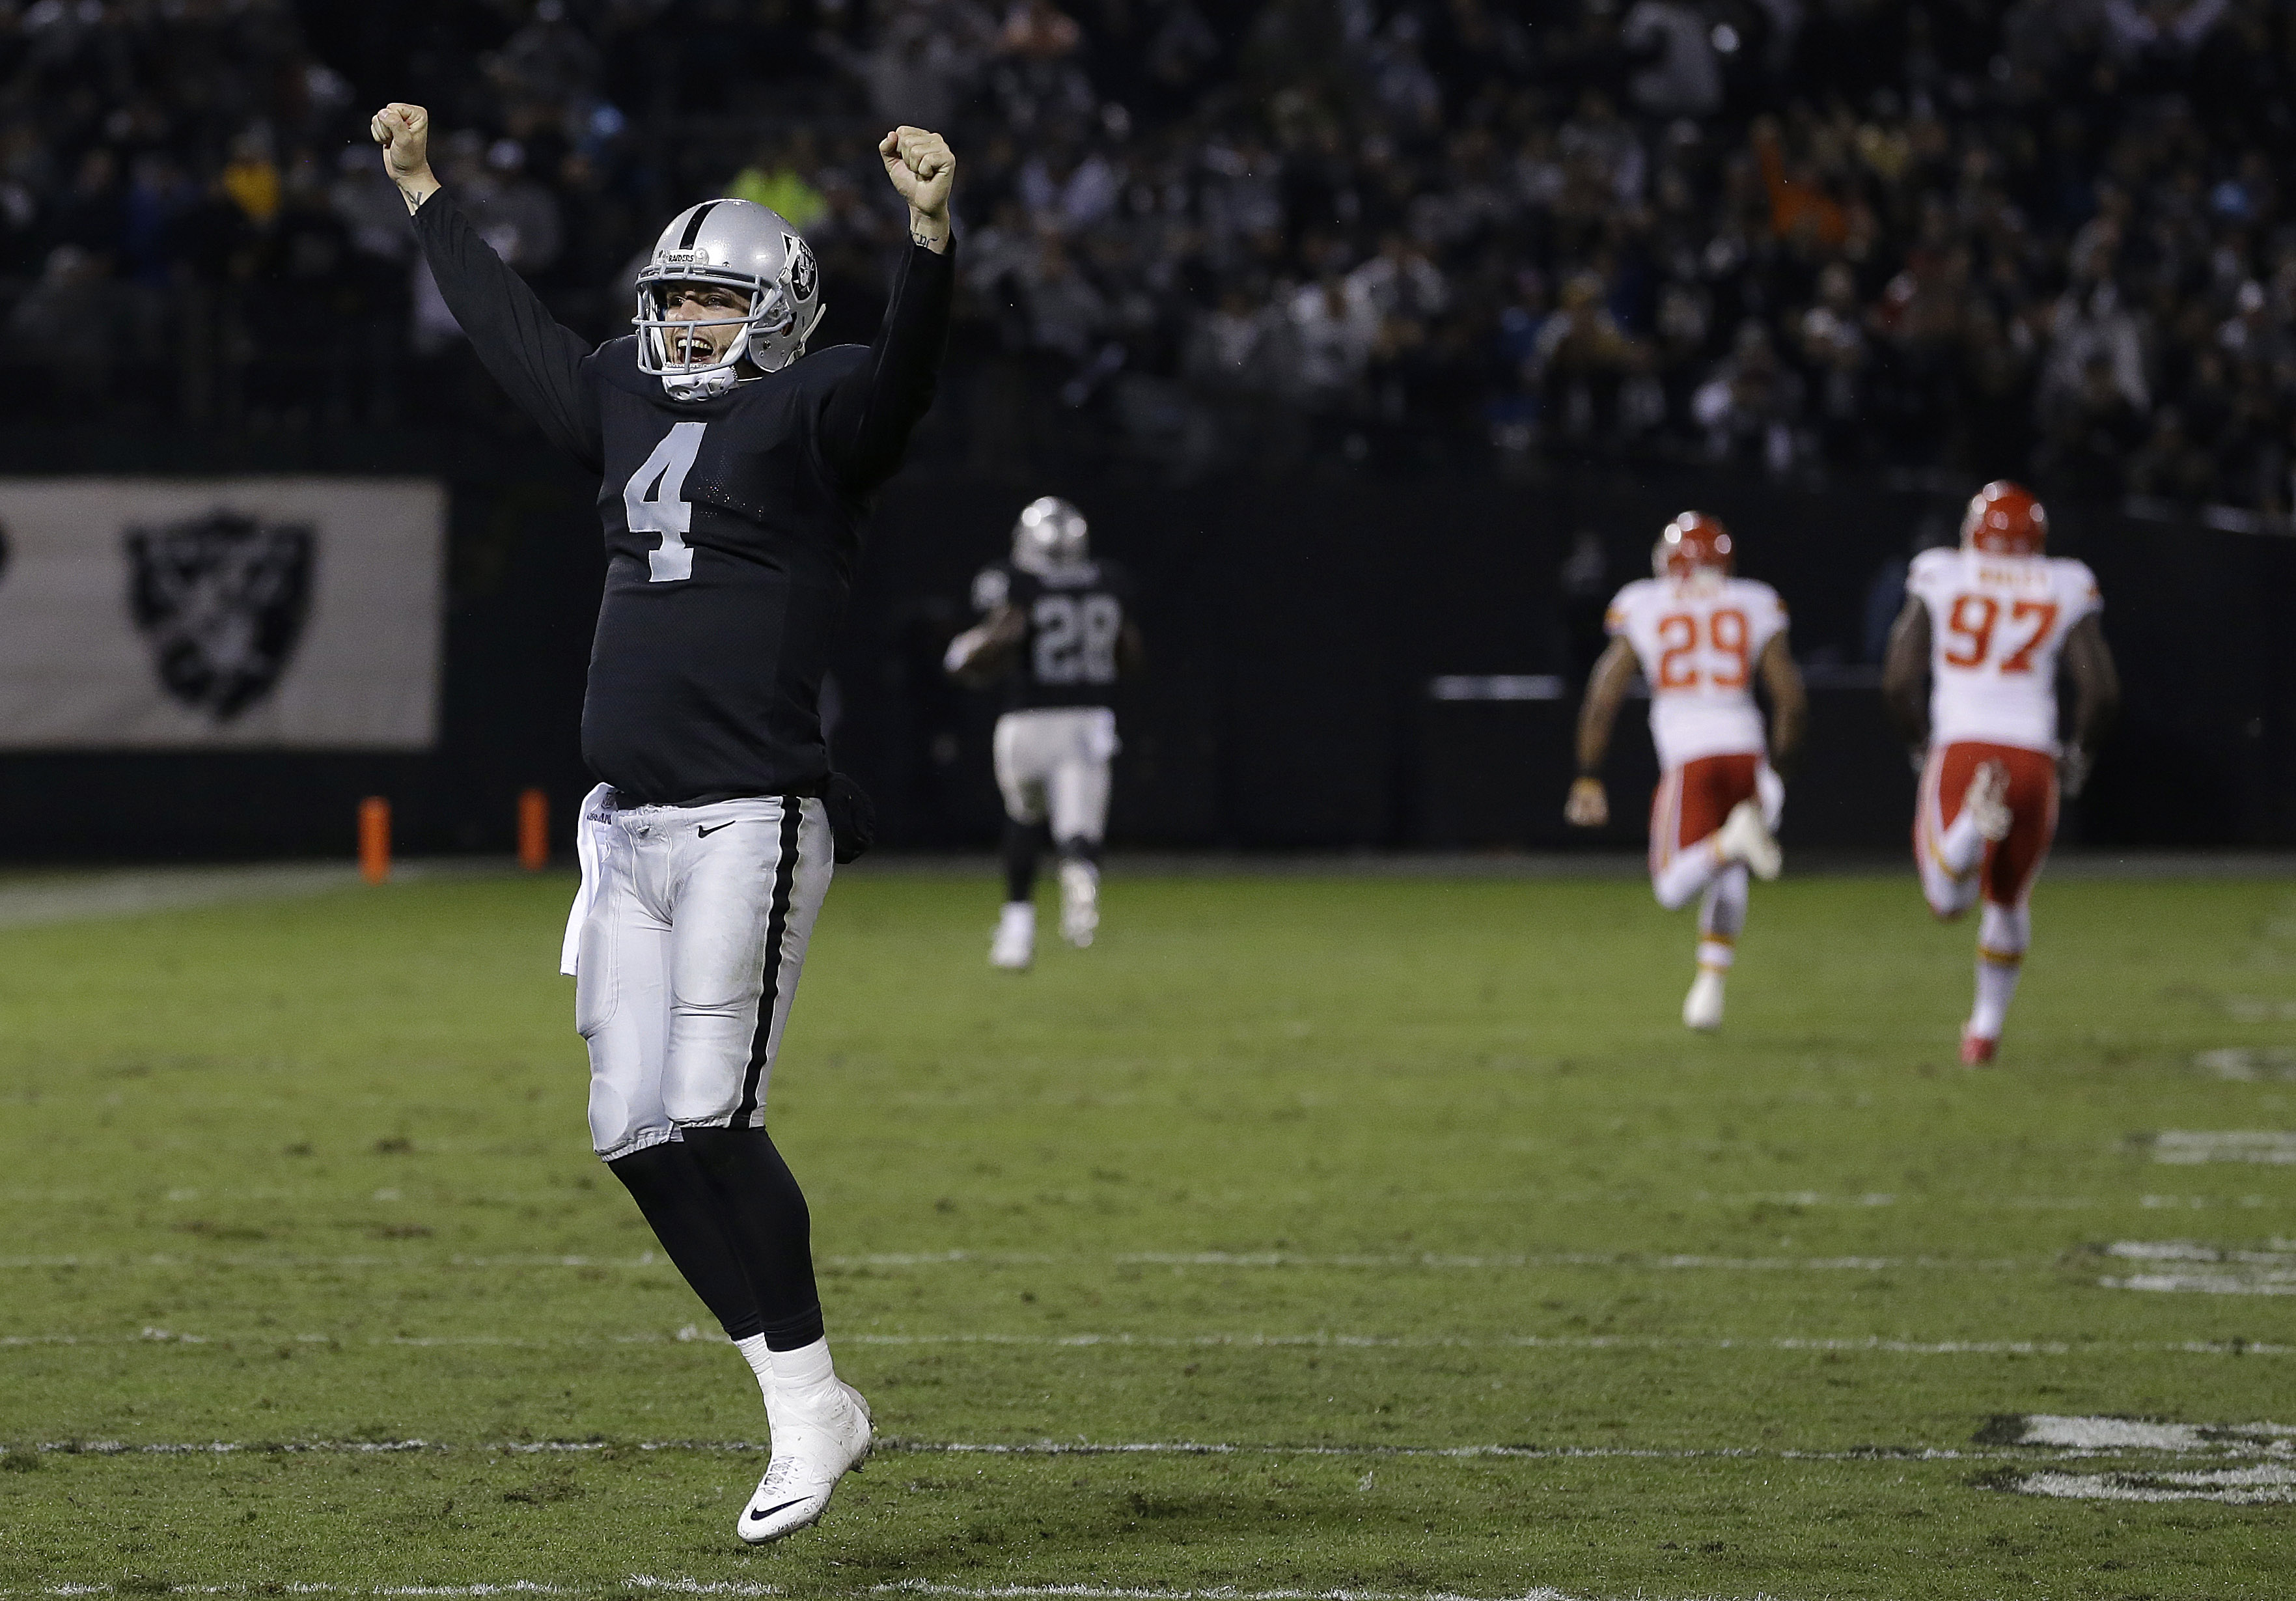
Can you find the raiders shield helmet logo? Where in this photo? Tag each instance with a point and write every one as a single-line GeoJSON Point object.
{"type": "Point", "coordinates": [222, 600]}
{"type": "Point", "coordinates": [802, 278]}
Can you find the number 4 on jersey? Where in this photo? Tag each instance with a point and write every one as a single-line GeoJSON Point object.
{"type": "Point", "coordinates": [655, 502]}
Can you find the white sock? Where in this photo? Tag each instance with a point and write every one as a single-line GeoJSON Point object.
{"type": "Point", "coordinates": [1722, 913]}
{"type": "Point", "coordinates": [1996, 985]}
{"type": "Point", "coordinates": [1715, 955]}
{"type": "Point", "coordinates": [1686, 874]}
{"type": "Point", "coordinates": [804, 1376]}
{"type": "Point", "coordinates": [1961, 845]}
{"type": "Point", "coordinates": [761, 1360]}
{"type": "Point", "coordinates": [2003, 932]}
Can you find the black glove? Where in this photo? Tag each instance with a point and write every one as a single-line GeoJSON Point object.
{"type": "Point", "coordinates": [852, 817]}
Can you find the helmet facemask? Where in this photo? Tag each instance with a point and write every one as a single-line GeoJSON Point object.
{"type": "Point", "coordinates": [687, 370]}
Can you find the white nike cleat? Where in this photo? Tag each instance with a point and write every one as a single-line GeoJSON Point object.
{"type": "Point", "coordinates": [1701, 1008]}
{"type": "Point", "coordinates": [1079, 902]}
{"type": "Point", "coordinates": [1745, 837]}
{"type": "Point", "coordinates": [1014, 947]}
{"type": "Point", "coordinates": [811, 1453]}
{"type": "Point", "coordinates": [1987, 800]}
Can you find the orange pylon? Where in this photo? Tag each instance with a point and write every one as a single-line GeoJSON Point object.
{"type": "Point", "coordinates": [533, 830]}
{"type": "Point", "coordinates": [374, 839]}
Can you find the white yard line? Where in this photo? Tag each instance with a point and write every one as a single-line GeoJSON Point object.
{"type": "Point", "coordinates": [910, 1587]}
{"type": "Point", "coordinates": [40, 900]}
{"type": "Point", "coordinates": [2248, 1065]}
{"type": "Point", "coordinates": [513, 1587]}
{"type": "Point", "coordinates": [37, 901]}
{"type": "Point", "coordinates": [2189, 1147]}
{"type": "Point", "coordinates": [2200, 1270]}
{"type": "Point", "coordinates": [1103, 1592]}
{"type": "Point", "coordinates": [1177, 1260]}
{"type": "Point", "coordinates": [1317, 1340]}
{"type": "Point", "coordinates": [2139, 1434]}
{"type": "Point", "coordinates": [2233, 1486]}
{"type": "Point", "coordinates": [1022, 1449]}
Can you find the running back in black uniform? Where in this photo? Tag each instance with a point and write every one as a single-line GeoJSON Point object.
{"type": "Point", "coordinates": [1074, 616]}
{"type": "Point", "coordinates": [731, 524]}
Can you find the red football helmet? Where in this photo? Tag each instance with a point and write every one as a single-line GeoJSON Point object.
{"type": "Point", "coordinates": [2004, 520]}
{"type": "Point", "coordinates": [1692, 542]}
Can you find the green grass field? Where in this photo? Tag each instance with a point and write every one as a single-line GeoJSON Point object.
{"type": "Point", "coordinates": [1319, 1187]}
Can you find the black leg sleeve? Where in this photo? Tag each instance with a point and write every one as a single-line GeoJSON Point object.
{"type": "Point", "coordinates": [677, 1202]}
{"type": "Point", "coordinates": [765, 1216]}
{"type": "Point", "coordinates": [1079, 849]}
{"type": "Point", "coordinates": [1022, 843]}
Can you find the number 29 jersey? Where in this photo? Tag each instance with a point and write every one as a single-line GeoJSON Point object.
{"type": "Point", "coordinates": [1074, 615]}
{"type": "Point", "coordinates": [1697, 639]}
{"type": "Point", "coordinates": [1996, 626]}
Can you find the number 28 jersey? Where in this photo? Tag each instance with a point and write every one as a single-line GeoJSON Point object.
{"type": "Point", "coordinates": [1074, 615]}
{"type": "Point", "coordinates": [1996, 626]}
{"type": "Point", "coordinates": [1698, 640]}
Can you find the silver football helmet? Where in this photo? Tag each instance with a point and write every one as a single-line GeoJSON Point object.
{"type": "Point", "coordinates": [1049, 534]}
{"type": "Point", "coordinates": [737, 244]}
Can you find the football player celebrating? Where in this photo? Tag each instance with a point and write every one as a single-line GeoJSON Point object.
{"type": "Point", "coordinates": [734, 468]}
{"type": "Point", "coordinates": [1061, 622]}
{"type": "Point", "coordinates": [1700, 637]}
{"type": "Point", "coordinates": [1989, 625]}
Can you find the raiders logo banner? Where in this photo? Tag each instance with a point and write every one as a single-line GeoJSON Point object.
{"type": "Point", "coordinates": [282, 613]}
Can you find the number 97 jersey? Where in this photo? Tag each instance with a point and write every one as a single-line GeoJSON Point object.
{"type": "Point", "coordinates": [1698, 640]}
{"type": "Point", "coordinates": [1997, 625]}
{"type": "Point", "coordinates": [1074, 617]}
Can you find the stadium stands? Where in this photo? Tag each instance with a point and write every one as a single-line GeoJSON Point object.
{"type": "Point", "coordinates": [1945, 239]}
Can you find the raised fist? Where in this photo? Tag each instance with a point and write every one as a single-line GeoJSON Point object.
{"type": "Point", "coordinates": [921, 167]}
{"type": "Point", "coordinates": [404, 132]}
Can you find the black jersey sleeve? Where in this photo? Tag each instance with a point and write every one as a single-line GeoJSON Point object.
{"type": "Point", "coordinates": [540, 362]}
{"type": "Point", "coordinates": [867, 419]}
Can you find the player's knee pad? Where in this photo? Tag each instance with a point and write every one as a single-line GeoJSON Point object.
{"type": "Point", "coordinates": [2004, 930]}
{"type": "Point", "coordinates": [617, 1128]}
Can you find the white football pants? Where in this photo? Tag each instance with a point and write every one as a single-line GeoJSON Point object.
{"type": "Point", "coordinates": [689, 936]}
{"type": "Point", "coordinates": [1053, 763]}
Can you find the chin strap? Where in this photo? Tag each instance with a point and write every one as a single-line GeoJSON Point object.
{"type": "Point", "coordinates": [699, 386]}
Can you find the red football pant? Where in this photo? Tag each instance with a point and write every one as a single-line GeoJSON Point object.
{"type": "Point", "coordinates": [1689, 804]}
{"type": "Point", "coordinates": [2004, 875]}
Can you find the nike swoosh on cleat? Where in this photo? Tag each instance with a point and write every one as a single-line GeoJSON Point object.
{"type": "Point", "coordinates": [758, 1517]}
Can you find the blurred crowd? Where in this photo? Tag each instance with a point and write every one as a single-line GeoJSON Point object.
{"type": "Point", "coordinates": [1957, 238]}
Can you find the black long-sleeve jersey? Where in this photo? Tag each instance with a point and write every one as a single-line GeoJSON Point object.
{"type": "Point", "coordinates": [731, 524]}
{"type": "Point", "coordinates": [1075, 618]}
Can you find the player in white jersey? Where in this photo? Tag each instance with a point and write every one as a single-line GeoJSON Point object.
{"type": "Point", "coordinates": [1700, 637]}
{"type": "Point", "coordinates": [1988, 626]}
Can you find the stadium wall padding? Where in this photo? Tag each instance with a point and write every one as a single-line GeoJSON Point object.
{"type": "Point", "coordinates": [1295, 627]}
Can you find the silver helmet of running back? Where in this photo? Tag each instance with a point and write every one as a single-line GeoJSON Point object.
{"type": "Point", "coordinates": [1050, 533]}
{"type": "Point", "coordinates": [728, 244]}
